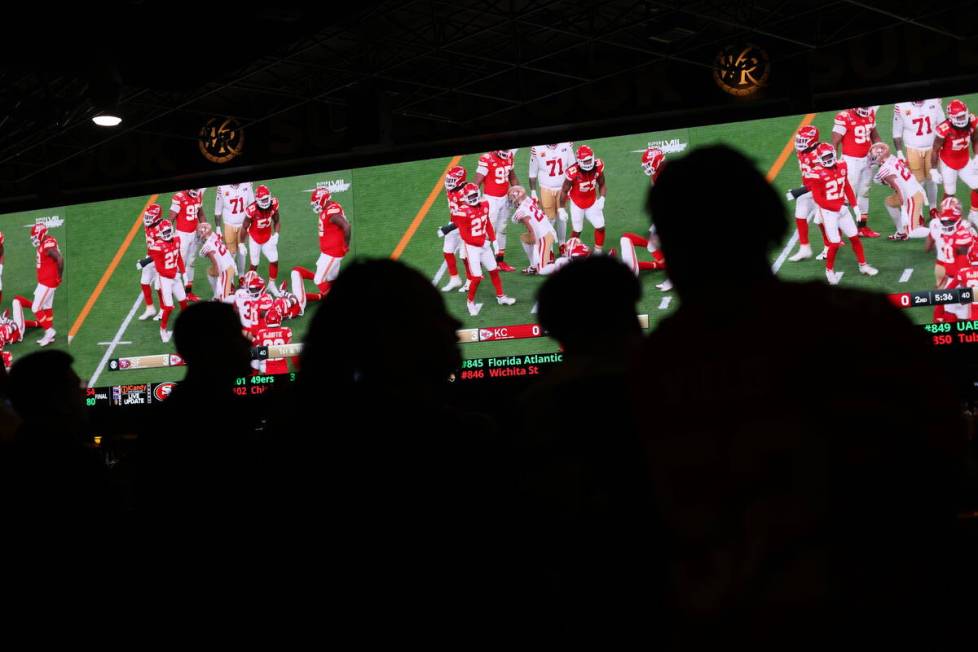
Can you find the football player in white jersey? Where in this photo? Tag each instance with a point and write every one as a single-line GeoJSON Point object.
{"type": "Point", "coordinates": [538, 240]}
{"type": "Point", "coordinates": [221, 274]}
{"type": "Point", "coordinates": [548, 163]}
{"type": "Point", "coordinates": [905, 206]}
{"type": "Point", "coordinates": [914, 127]}
{"type": "Point", "coordinates": [229, 212]}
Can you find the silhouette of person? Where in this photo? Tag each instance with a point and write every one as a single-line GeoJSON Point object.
{"type": "Point", "coordinates": [195, 459]}
{"type": "Point", "coordinates": [51, 475]}
{"type": "Point", "coordinates": [586, 491]}
{"type": "Point", "coordinates": [803, 445]}
{"type": "Point", "coordinates": [412, 486]}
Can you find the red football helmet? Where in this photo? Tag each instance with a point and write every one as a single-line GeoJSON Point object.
{"type": "Point", "coordinates": [826, 155]}
{"type": "Point", "coordinates": [504, 154]}
{"type": "Point", "coordinates": [957, 113]}
{"type": "Point", "coordinates": [152, 214]}
{"type": "Point", "coordinates": [263, 197]}
{"type": "Point", "coordinates": [166, 230]}
{"type": "Point", "coordinates": [273, 317]}
{"type": "Point", "coordinates": [806, 138]}
{"type": "Point", "coordinates": [585, 158]}
{"type": "Point", "coordinates": [574, 248]}
{"type": "Point", "coordinates": [193, 192]}
{"type": "Point", "coordinates": [863, 111]}
{"type": "Point", "coordinates": [455, 178]}
{"type": "Point", "coordinates": [950, 215]}
{"type": "Point", "coordinates": [470, 194]}
{"type": "Point", "coordinates": [320, 198]}
{"type": "Point", "coordinates": [651, 161]}
{"type": "Point", "coordinates": [38, 232]}
{"type": "Point", "coordinates": [254, 283]}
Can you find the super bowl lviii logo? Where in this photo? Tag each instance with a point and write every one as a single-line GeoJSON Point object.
{"type": "Point", "coordinates": [742, 70]}
{"type": "Point", "coordinates": [221, 139]}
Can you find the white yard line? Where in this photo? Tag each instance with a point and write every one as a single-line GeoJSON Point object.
{"type": "Point", "coordinates": [907, 273]}
{"type": "Point", "coordinates": [533, 310]}
{"type": "Point", "coordinates": [665, 303]}
{"type": "Point", "coordinates": [440, 273]}
{"type": "Point", "coordinates": [784, 253]}
{"type": "Point", "coordinates": [112, 343]}
{"type": "Point", "coordinates": [116, 340]}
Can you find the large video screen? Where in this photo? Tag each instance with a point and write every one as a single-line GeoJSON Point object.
{"type": "Point", "coordinates": [92, 277]}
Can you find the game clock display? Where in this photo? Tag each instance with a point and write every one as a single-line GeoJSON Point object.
{"type": "Point", "coordinates": [878, 198]}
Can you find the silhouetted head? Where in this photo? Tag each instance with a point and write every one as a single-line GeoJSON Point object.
{"type": "Point", "coordinates": [740, 220]}
{"type": "Point", "coordinates": [208, 337]}
{"type": "Point", "coordinates": [383, 323]}
{"type": "Point", "coordinates": [589, 304]}
{"type": "Point", "coordinates": [43, 386]}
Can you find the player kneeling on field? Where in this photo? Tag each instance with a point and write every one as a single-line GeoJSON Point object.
{"type": "Point", "coordinates": [538, 240]}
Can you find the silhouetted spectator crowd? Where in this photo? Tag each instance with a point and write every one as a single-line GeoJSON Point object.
{"type": "Point", "coordinates": [755, 471]}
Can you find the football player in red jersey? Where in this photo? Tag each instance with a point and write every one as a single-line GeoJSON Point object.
{"type": "Point", "coordinates": [165, 255]}
{"type": "Point", "coordinates": [50, 266]}
{"type": "Point", "coordinates": [251, 303]}
{"type": "Point", "coordinates": [806, 141]}
{"type": "Point", "coordinates": [1, 266]}
{"type": "Point", "coordinates": [954, 144]}
{"type": "Point", "coordinates": [272, 333]}
{"type": "Point", "coordinates": [966, 276]}
{"type": "Point", "coordinates": [855, 130]}
{"type": "Point", "coordinates": [11, 331]}
{"type": "Point", "coordinates": [494, 173]}
{"type": "Point", "coordinates": [831, 189]}
{"type": "Point", "coordinates": [186, 212]}
{"type": "Point", "coordinates": [334, 243]}
{"type": "Point", "coordinates": [287, 304]}
{"type": "Point", "coordinates": [652, 161]}
{"type": "Point", "coordinates": [477, 233]}
{"type": "Point", "coordinates": [454, 181]}
{"type": "Point", "coordinates": [951, 237]}
{"type": "Point", "coordinates": [152, 217]}
{"type": "Point", "coordinates": [585, 185]}
{"type": "Point", "coordinates": [262, 224]}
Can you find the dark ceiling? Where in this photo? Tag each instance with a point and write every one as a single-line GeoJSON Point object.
{"type": "Point", "coordinates": [320, 84]}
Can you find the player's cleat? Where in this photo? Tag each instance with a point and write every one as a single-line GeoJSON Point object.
{"type": "Point", "coordinates": [868, 270]}
{"type": "Point", "coordinates": [611, 252]}
{"type": "Point", "coordinates": [823, 255]}
{"type": "Point", "coordinates": [804, 252]}
{"type": "Point", "coordinates": [503, 300]}
{"type": "Point", "coordinates": [898, 236]}
{"type": "Point", "coordinates": [165, 335]}
{"type": "Point", "coordinates": [529, 270]}
{"type": "Point", "coordinates": [665, 286]}
{"type": "Point", "coordinates": [465, 286]}
{"type": "Point", "coordinates": [158, 316]}
{"type": "Point", "coordinates": [474, 308]}
{"type": "Point", "coordinates": [48, 337]}
{"type": "Point", "coordinates": [866, 232]}
{"type": "Point", "coordinates": [505, 267]}
{"type": "Point", "coordinates": [453, 282]}
{"type": "Point", "coordinates": [192, 298]}
{"type": "Point", "coordinates": [832, 277]}
{"type": "Point", "coordinates": [149, 312]}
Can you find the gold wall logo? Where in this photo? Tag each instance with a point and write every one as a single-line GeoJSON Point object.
{"type": "Point", "coordinates": [221, 140]}
{"type": "Point", "coordinates": [741, 70]}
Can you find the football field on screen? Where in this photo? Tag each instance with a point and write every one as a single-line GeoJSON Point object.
{"type": "Point", "coordinates": [396, 209]}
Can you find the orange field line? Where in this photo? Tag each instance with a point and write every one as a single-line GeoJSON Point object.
{"type": "Point", "coordinates": [425, 207]}
{"type": "Point", "coordinates": [772, 174]}
{"type": "Point", "coordinates": [93, 297]}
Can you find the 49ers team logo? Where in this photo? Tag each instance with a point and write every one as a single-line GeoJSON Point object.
{"type": "Point", "coordinates": [221, 139]}
{"type": "Point", "coordinates": [162, 391]}
{"type": "Point", "coordinates": [741, 70]}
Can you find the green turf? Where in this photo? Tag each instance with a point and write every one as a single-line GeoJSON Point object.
{"type": "Point", "coordinates": [382, 203]}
